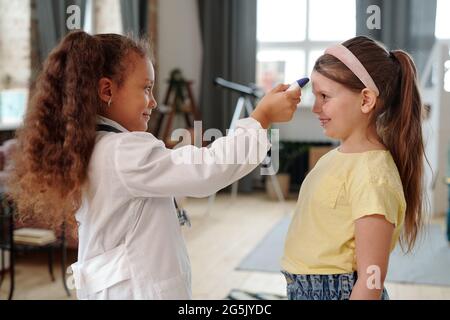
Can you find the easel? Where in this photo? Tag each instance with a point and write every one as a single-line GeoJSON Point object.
{"type": "Point", "coordinates": [178, 99]}
{"type": "Point", "coordinates": [244, 106]}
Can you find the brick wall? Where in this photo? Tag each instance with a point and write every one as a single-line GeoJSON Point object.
{"type": "Point", "coordinates": [15, 42]}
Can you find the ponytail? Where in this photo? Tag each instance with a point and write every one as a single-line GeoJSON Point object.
{"type": "Point", "coordinates": [402, 135]}
{"type": "Point", "coordinates": [397, 117]}
{"type": "Point", "coordinates": [58, 134]}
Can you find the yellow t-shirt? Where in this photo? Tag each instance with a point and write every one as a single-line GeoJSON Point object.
{"type": "Point", "coordinates": [341, 188]}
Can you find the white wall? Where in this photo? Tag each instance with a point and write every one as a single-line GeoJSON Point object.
{"type": "Point", "coordinates": [179, 43]}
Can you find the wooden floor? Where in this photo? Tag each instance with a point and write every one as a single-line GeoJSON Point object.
{"type": "Point", "coordinates": [217, 242]}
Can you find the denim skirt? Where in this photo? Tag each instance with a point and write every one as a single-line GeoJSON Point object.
{"type": "Point", "coordinates": [322, 287]}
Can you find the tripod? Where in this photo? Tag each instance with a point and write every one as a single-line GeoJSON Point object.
{"type": "Point", "coordinates": [244, 106]}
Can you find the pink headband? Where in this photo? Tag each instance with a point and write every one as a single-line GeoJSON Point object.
{"type": "Point", "coordinates": [349, 59]}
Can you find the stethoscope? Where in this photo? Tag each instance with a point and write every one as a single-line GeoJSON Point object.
{"type": "Point", "coordinates": [183, 217]}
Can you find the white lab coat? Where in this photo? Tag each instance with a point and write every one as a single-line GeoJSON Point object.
{"type": "Point", "coordinates": [130, 240]}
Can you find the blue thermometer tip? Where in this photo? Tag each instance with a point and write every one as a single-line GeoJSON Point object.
{"type": "Point", "coordinates": [302, 82]}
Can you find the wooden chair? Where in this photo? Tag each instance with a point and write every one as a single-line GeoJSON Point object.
{"type": "Point", "coordinates": [7, 243]}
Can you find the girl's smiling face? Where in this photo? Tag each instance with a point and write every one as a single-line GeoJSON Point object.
{"type": "Point", "coordinates": [132, 101]}
{"type": "Point", "coordinates": [337, 107]}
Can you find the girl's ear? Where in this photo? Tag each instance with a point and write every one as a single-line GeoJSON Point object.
{"type": "Point", "coordinates": [105, 89]}
{"type": "Point", "coordinates": [369, 99]}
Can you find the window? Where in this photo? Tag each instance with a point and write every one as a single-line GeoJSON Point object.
{"type": "Point", "coordinates": [442, 31]}
{"type": "Point", "coordinates": [442, 21]}
{"type": "Point", "coordinates": [292, 34]}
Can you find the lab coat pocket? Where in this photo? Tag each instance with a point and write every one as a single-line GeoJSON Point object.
{"type": "Point", "coordinates": [331, 192]}
{"type": "Point", "coordinates": [175, 288]}
{"type": "Point", "coordinates": [102, 271]}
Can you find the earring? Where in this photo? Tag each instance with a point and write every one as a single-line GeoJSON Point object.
{"type": "Point", "coordinates": [109, 102]}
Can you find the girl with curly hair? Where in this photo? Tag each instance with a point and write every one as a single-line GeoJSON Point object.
{"type": "Point", "coordinates": [84, 158]}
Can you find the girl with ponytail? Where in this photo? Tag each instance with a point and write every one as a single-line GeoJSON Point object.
{"type": "Point", "coordinates": [84, 158]}
{"type": "Point", "coordinates": [366, 195]}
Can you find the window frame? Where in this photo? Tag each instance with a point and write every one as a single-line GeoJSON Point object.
{"type": "Point", "coordinates": [307, 45]}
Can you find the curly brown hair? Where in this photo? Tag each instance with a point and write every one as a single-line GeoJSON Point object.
{"type": "Point", "coordinates": [57, 138]}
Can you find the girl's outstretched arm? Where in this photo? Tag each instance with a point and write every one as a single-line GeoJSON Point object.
{"type": "Point", "coordinates": [148, 169]}
{"type": "Point", "coordinates": [373, 236]}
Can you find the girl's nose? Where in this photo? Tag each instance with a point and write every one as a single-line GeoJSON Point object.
{"type": "Point", "coordinates": [152, 103]}
{"type": "Point", "coordinates": [316, 108]}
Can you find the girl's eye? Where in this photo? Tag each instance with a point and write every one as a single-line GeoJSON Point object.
{"type": "Point", "coordinates": [324, 96]}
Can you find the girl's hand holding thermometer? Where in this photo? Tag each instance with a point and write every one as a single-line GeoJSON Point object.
{"type": "Point", "coordinates": [279, 104]}
{"type": "Point", "coordinates": [298, 84]}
